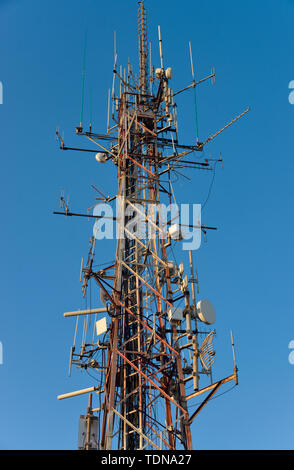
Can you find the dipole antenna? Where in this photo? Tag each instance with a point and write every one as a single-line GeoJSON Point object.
{"type": "Point", "coordinates": [83, 80]}
{"type": "Point", "coordinates": [194, 93]}
{"type": "Point", "coordinates": [160, 48]}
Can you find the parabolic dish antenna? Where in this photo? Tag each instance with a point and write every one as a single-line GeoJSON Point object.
{"type": "Point", "coordinates": [206, 312]}
{"type": "Point", "coordinates": [207, 352]}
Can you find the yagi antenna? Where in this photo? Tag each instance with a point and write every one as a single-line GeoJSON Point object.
{"type": "Point", "coordinates": [212, 75]}
{"type": "Point", "coordinates": [61, 198]}
{"type": "Point", "coordinates": [63, 203]}
{"type": "Point", "coordinates": [221, 160]}
{"type": "Point", "coordinates": [223, 128]}
{"type": "Point", "coordinates": [104, 198]}
{"type": "Point", "coordinates": [59, 138]}
{"type": "Point", "coordinates": [57, 133]}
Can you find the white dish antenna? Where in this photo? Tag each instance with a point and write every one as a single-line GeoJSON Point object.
{"type": "Point", "coordinates": [206, 312]}
{"type": "Point", "coordinates": [101, 157]}
{"type": "Point", "coordinates": [169, 73]}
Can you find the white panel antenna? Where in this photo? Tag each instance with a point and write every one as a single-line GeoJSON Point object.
{"type": "Point", "coordinates": [101, 326]}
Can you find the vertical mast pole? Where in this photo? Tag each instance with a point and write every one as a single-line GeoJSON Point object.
{"type": "Point", "coordinates": [194, 339]}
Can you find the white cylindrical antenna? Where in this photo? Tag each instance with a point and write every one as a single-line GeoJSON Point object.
{"type": "Point", "coordinates": [188, 325]}
{"type": "Point", "coordinates": [160, 48]}
{"type": "Point", "coordinates": [84, 336]}
{"type": "Point", "coordinates": [234, 358]}
{"type": "Point", "coordinates": [120, 83]}
{"type": "Point", "coordinates": [78, 392]}
{"type": "Point", "coordinates": [70, 360]}
{"type": "Point", "coordinates": [192, 280]}
{"type": "Point", "coordinates": [114, 72]}
{"type": "Point", "coordinates": [150, 60]}
{"type": "Point", "coordinates": [76, 330]}
{"type": "Point", "coordinates": [112, 92]}
{"type": "Point", "coordinates": [114, 69]}
{"type": "Point", "coordinates": [150, 68]}
{"type": "Point", "coordinates": [81, 270]}
{"type": "Point", "coordinates": [85, 312]}
{"type": "Point", "coordinates": [191, 59]}
{"type": "Point", "coordinates": [233, 348]}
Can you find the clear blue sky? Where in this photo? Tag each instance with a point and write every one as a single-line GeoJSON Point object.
{"type": "Point", "coordinates": [245, 268]}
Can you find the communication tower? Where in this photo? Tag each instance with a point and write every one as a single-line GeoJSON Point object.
{"type": "Point", "coordinates": [153, 337]}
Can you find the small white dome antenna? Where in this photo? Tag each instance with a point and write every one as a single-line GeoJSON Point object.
{"type": "Point", "coordinates": [101, 157]}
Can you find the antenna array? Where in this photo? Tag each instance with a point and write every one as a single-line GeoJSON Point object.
{"type": "Point", "coordinates": [150, 350]}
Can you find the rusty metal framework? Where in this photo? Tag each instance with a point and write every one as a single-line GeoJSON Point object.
{"type": "Point", "coordinates": [146, 358]}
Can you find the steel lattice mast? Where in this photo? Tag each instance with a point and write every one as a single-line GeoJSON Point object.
{"type": "Point", "coordinates": [148, 355]}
